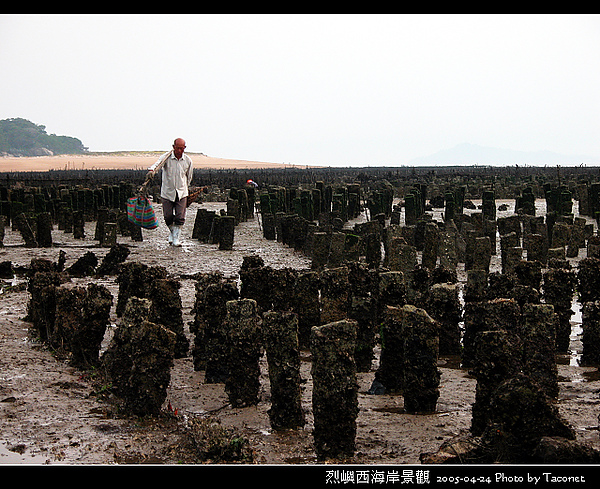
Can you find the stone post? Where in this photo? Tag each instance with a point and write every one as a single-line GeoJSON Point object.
{"type": "Point", "coordinates": [167, 310]}
{"type": "Point", "coordinates": [561, 233]}
{"type": "Point", "coordinates": [21, 223]}
{"type": "Point", "coordinates": [226, 236]}
{"type": "Point", "coordinates": [203, 225]}
{"type": "Point", "coordinates": [430, 246]}
{"type": "Point", "coordinates": [280, 333]}
{"type": "Point", "coordinates": [421, 347]}
{"type": "Point", "coordinates": [78, 225]}
{"type": "Point", "coordinates": [44, 230]}
{"type": "Point", "coordinates": [109, 235]}
{"type": "Point", "coordinates": [41, 308]}
{"type": "Point", "coordinates": [87, 338]}
{"type": "Point", "coordinates": [335, 294]}
{"type": "Point", "coordinates": [487, 315]}
{"type": "Point", "coordinates": [444, 306]}
{"type": "Point", "coordinates": [389, 377]}
{"type": "Point", "coordinates": [335, 390]}
{"type": "Point", "coordinates": [482, 253]}
{"type": "Point", "coordinates": [588, 279]}
{"type": "Point", "coordinates": [489, 204]}
{"type": "Point", "coordinates": [507, 241]}
{"type": "Point", "coordinates": [372, 242]}
{"type": "Point", "coordinates": [476, 287]}
{"type": "Point", "coordinates": [112, 260]}
{"type": "Point", "coordinates": [576, 238]}
{"type": "Point", "coordinates": [391, 291]}
{"type": "Point", "coordinates": [364, 311]}
{"type": "Point", "coordinates": [198, 326]}
{"type": "Point", "coordinates": [537, 248]}
{"type": "Point", "coordinates": [307, 304]}
{"type": "Point", "coordinates": [214, 306]}
{"type": "Point", "coordinates": [134, 280]}
{"type": "Point", "coordinates": [591, 333]}
{"type": "Point", "coordinates": [497, 358]}
{"type": "Point", "coordinates": [139, 359]}
{"type": "Point", "coordinates": [69, 310]}
{"type": "Point", "coordinates": [243, 330]}
{"type": "Point", "coordinates": [538, 333]}
{"type": "Point", "coordinates": [512, 257]}
{"type": "Point", "coordinates": [320, 250]}
{"type": "Point", "coordinates": [558, 288]}
{"type": "Point", "coordinates": [407, 259]}
{"type": "Point", "coordinates": [447, 250]}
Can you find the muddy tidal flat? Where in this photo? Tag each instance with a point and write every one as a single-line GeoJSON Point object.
{"type": "Point", "coordinates": [50, 412]}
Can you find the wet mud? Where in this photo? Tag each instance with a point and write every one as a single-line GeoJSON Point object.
{"type": "Point", "coordinates": [53, 412]}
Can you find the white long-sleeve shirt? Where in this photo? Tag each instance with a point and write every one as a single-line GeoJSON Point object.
{"type": "Point", "coordinates": [176, 176]}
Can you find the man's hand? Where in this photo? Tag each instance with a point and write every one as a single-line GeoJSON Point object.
{"type": "Point", "coordinates": [150, 175]}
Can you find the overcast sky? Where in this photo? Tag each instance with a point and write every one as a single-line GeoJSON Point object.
{"type": "Point", "coordinates": [335, 90]}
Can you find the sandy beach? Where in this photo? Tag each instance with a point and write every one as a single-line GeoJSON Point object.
{"type": "Point", "coordinates": [120, 161]}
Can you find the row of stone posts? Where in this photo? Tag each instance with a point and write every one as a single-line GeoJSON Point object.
{"type": "Point", "coordinates": [409, 355]}
{"type": "Point", "coordinates": [459, 238]}
{"type": "Point", "coordinates": [505, 339]}
{"type": "Point", "coordinates": [70, 319]}
{"type": "Point", "coordinates": [519, 332]}
{"type": "Point", "coordinates": [111, 219]}
{"type": "Point", "coordinates": [219, 227]}
{"type": "Point", "coordinates": [139, 358]}
{"type": "Point", "coordinates": [309, 203]}
{"type": "Point", "coordinates": [55, 199]}
{"type": "Point", "coordinates": [231, 334]}
{"type": "Point", "coordinates": [351, 291]}
{"type": "Point", "coordinates": [510, 348]}
{"type": "Point", "coordinates": [516, 323]}
{"type": "Point", "coordinates": [588, 286]}
{"type": "Point", "coordinates": [73, 321]}
{"type": "Point", "coordinates": [517, 337]}
{"type": "Point", "coordinates": [293, 215]}
{"type": "Point", "coordinates": [34, 211]}
{"type": "Point", "coordinates": [215, 228]}
{"type": "Point", "coordinates": [36, 230]}
{"type": "Point", "coordinates": [347, 303]}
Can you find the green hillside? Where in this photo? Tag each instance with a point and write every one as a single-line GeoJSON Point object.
{"type": "Point", "coordinates": [20, 137]}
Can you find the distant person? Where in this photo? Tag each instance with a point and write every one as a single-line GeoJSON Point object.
{"type": "Point", "coordinates": [176, 178]}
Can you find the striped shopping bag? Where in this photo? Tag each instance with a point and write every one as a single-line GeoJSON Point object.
{"type": "Point", "coordinates": [141, 213]}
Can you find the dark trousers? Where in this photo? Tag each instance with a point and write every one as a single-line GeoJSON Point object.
{"type": "Point", "coordinates": [174, 212]}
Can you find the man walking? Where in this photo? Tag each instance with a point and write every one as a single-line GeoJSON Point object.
{"type": "Point", "coordinates": [177, 175]}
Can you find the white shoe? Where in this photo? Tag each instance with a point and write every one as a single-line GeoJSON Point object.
{"type": "Point", "coordinates": [170, 234]}
{"type": "Point", "coordinates": [176, 234]}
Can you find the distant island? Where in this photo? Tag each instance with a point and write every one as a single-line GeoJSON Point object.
{"type": "Point", "coordinates": [20, 137]}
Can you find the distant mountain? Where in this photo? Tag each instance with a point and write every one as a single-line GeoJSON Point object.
{"type": "Point", "coordinates": [472, 154]}
{"type": "Point", "coordinates": [20, 137]}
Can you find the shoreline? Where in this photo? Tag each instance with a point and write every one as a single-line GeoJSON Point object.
{"type": "Point", "coordinates": [121, 160]}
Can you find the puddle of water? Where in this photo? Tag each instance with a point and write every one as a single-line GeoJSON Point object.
{"type": "Point", "coordinates": [8, 457]}
{"type": "Point", "coordinates": [450, 361]}
{"type": "Point", "coordinates": [8, 378]}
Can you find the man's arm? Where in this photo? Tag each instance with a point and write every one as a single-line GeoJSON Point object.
{"type": "Point", "coordinates": [190, 172]}
{"type": "Point", "coordinates": [158, 164]}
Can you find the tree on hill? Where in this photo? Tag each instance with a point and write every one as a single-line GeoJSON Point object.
{"type": "Point", "coordinates": [20, 137]}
